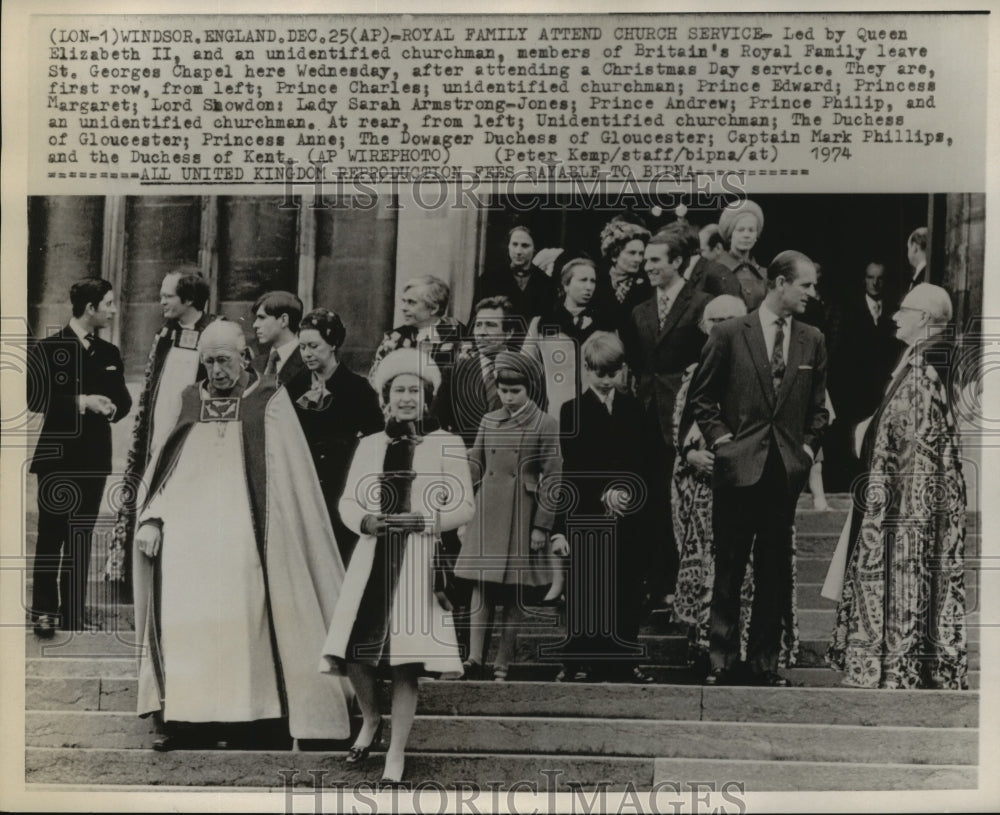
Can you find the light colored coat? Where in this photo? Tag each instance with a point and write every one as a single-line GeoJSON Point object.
{"type": "Point", "coordinates": [420, 630]}
{"type": "Point", "coordinates": [516, 465]}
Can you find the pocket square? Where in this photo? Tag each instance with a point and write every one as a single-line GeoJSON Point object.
{"type": "Point", "coordinates": [805, 367]}
{"type": "Point", "coordinates": [111, 368]}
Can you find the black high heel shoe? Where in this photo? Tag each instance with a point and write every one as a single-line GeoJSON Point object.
{"type": "Point", "coordinates": [357, 755]}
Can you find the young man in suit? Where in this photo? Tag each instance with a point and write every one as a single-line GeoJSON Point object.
{"type": "Point", "coordinates": [78, 381]}
{"type": "Point", "coordinates": [471, 391]}
{"type": "Point", "coordinates": [758, 397]}
{"type": "Point", "coordinates": [661, 339]}
{"type": "Point", "coordinates": [276, 317]}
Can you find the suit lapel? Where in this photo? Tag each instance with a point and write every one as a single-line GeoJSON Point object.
{"type": "Point", "coordinates": [647, 320]}
{"type": "Point", "coordinates": [754, 334]}
{"type": "Point", "coordinates": [677, 308]}
{"type": "Point", "coordinates": [796, 347]}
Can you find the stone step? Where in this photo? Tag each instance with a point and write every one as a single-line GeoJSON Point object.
{"type": "Point", "coordinates": [580, 776]}
{"type": "Point", "coordinates": [601, 700]}
{"type": "Point", "coordinates": [577, 736]}
{"type": "Point", "coordinates": [125, 668]}
{"type": "Point", "coordinates": [826, 677]}
{"type": "Point", "coordinates": [776, 776]}
{"type": "Point", "coordinates": [98, 644]}
{"type": "Point", "coordinates": [266, 770]}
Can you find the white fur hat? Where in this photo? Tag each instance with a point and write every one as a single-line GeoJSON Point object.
{"type": "Point", "coordinates": [407, 361]}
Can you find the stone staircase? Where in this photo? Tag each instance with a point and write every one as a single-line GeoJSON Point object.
{"type": "Point", "coordinates": [81, 727]}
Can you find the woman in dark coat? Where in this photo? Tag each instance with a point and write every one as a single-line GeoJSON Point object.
{"type": "Point", "coordinates": [623, 284]}
{"type": "Point", "coordinates": [336, 408]}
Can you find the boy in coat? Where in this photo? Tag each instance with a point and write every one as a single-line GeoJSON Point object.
{"type": "Point", "coordinates": [602, 464]}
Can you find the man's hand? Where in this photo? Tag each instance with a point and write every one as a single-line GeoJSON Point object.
{"type": "Point", "coordinates": [96, 403]}
{"type": "Point", "coordinates": [560, 546]}
{"type": "Point", "coordinates": [148, 537]}
{"type": "Point", "coordinates": [701, 460]}
{"type": "Point", "coordinates": [539, 539]}
{"type": "Point", "coordinates": [372, 524]}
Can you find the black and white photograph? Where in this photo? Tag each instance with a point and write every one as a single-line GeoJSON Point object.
{"type": "Point", "coordinates": [446, 413]}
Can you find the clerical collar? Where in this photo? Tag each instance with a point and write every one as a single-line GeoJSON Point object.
{"type": "Point", "coordinates": [190, 325]}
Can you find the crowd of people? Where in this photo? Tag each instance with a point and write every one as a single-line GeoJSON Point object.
{"type": "Point", "coordinates": [617, 436]}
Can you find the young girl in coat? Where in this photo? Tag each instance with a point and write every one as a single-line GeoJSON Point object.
{"type": "Point", "coordinates": [515, 466]}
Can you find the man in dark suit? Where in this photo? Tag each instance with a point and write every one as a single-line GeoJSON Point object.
{"type": "Point", "coordinates": [865, 349]}
{"type": "Point", "coordinates": [276, 317]}
{"type": "Point", "coordinates": [78, 381]}
{"type": "Point", "coordinates": [471, 390]}
{"type": "Point", "coordinates": [661, 339]}
{"type": "Point", "coordinates": [758, 397]}
{"type": "Point", "coordinates": [704, 271]}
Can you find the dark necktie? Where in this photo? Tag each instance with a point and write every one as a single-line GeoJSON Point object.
{"type": "Point", "coordinates": [271, 369]}
{"type": "Point", "coordinates": [663, 308]}
{"type": "Point", "coordinates": [492, 397]}
{"type": "Point", "coordinates": [778, 354]}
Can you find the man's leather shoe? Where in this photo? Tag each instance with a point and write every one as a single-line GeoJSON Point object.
{"type": "Point", "coordinates": [45, 627]}
{"type": "Point", "coordinates": [771, 679]}
{"type": "Point", "coordinates": [638, 676]}
{"type": "Point", "coordinates": [718, 677]}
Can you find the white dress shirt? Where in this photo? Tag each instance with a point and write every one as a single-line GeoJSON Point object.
{"type": "Point", "coordinates": [285, 351]}
{"type": "Point", "coordinates": [874, 307]}
{"type": "Point", "coordinates": [767, 321]}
